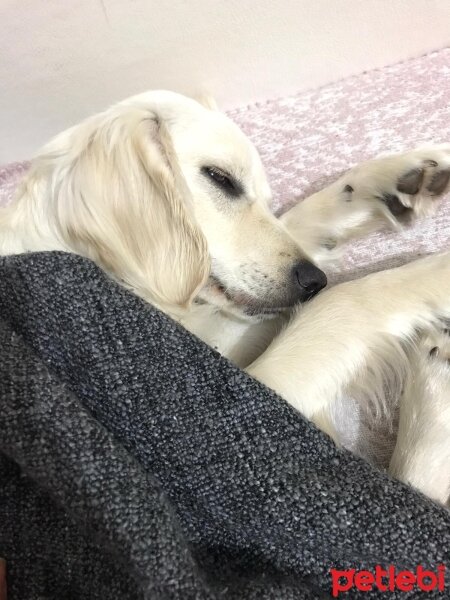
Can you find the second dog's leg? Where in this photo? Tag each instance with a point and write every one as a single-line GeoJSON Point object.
{"type": "Point", "coordinates": [422, 453]}
{"type": "Point", "coordinates": [354, 335]}
{"type": "Point", "coordinates": [384, 192]}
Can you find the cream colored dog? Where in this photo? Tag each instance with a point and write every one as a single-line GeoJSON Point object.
{"type": "Point", "coordinates": [170, 198]}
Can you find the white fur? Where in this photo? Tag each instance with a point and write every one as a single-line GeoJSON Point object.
{"type": "Point", "coordinates": [127, 188]}
{"type": "Point", "coordinates": [422, 453]}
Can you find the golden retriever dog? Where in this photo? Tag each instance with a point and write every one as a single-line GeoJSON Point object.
{"type": "Point", "coordinates": [170, 198]}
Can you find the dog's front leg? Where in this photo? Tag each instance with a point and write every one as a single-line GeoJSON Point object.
{"type": "Point", "coordinates": [354, 335]}
{"type": "Point", "coordinates": [385, 192]}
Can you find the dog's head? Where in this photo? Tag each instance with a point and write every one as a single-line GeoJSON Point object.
{"type": "Point", "coordinates": [171, 198]}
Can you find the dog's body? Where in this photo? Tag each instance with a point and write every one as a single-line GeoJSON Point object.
{"type": "Point", "coordinates": [171, 199]}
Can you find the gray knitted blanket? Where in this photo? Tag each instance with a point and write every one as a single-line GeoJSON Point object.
{"type": "Point", "coordinates": [136, 463]}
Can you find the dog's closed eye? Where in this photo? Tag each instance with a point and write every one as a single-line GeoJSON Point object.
{"type": "Point", "coordinates": [224, 181]}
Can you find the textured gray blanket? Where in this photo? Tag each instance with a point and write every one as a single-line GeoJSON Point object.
{"type": "Point", "coordinates": [136, 463]}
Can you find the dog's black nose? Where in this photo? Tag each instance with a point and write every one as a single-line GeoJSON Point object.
{"type": "Point", "coordinates": [309, 279]}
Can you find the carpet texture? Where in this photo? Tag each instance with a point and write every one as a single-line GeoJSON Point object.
{"type": "Point", "coordinates": [135, 462]}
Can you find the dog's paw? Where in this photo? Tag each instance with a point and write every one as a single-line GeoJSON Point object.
{"type": "Point", "coordinates": [403, 186]}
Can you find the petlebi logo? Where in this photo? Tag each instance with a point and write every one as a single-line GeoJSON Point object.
{"type": "Point", "coordinates": [388, 579]}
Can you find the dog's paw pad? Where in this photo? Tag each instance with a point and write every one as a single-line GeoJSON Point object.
{"type": "Point", "coordinates": [411, 182]}
{"type": "Point", "coordinates": [437, 346]}
{"type": "Point", "coordinates": [434, 352]}
{"type": "Point", "coordinates": [428, 179]}
{"type": "Point", "coordinates": [393, 204]}
{"type": "Point", "coordinates": [438, 182]}
{"type": "Point", "coordinates": [408, 184]}
{"type": "Point", "coordinates": [430, 163]}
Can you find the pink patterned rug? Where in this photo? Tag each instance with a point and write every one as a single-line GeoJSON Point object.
{"type": "Point", "coordinates": [307, 140]}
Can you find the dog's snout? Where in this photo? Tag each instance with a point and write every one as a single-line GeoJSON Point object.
{"type": "Point", "coordinates": [309, 279]}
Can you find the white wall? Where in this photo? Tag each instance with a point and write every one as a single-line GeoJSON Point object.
{"type": "Point", "coordinates": [61, 60]}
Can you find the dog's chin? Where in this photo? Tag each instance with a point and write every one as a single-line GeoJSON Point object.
{"type": "Point", "coordinates": [238, 303]}
{"type": "Point", "coordinates": [250, 312]}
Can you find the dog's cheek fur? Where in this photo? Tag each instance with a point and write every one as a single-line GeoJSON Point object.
{"type": "Point", "coordinates": [118, 197]}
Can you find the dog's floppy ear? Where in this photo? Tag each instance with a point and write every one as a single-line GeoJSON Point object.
{"type": "Point", "coordinates": [207, 101]}
{"type": "Point", "coordinates": [119, 198]}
